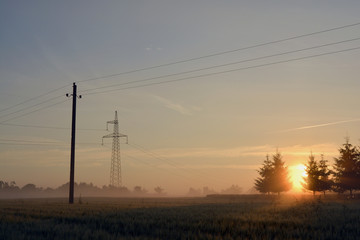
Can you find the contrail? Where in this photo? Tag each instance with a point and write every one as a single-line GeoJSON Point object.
{"type": "Point", "coordinates": [318, 125]}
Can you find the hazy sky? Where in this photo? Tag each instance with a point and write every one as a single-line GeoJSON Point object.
{"type": "Point", "coordinates": [213, 130]}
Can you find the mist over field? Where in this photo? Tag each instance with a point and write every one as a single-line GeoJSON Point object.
{"type": "Point", "coordinates": [236, 217]}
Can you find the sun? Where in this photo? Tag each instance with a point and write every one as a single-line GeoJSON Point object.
{"type": "Point", "coordinates": [297, 174]}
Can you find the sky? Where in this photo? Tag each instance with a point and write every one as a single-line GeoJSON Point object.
{"type": "Point", "coordinates": [203, 89]}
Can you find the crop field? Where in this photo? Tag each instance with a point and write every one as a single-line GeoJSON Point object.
{"type": "Point", "coordinates": [214, 217]}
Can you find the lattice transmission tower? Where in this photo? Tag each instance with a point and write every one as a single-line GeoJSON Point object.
{"type": "Point", "coordinates": [115, 169]}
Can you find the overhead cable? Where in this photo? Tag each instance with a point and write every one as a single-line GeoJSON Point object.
{"type": "Point", "coordinates": [222, 53]}
{"type": "Point", "coordinates": [32, 106]}
{"type": "Point", "coordinates": [34, 98]}
{"type": "Point", "coordinates": [221, 65]}
{"type": "Point", "coordinates": [226, 71]}
{"type": "Point", "coordinates": [36, 110]}
{"type": "Point", "coordinates": [50, 127]}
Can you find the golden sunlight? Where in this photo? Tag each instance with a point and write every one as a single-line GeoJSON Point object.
{"type": "Point", "coordinates": [297, 173]}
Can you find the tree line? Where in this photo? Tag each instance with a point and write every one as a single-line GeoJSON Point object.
{"type": "Point", "coordinates": [343, 177]}
{"type": "Point", "coordinates": [11, 190]}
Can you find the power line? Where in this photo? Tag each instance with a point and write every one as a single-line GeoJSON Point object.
{"type": "Point", "coordinates": [49, 127]}
{"type": "Point", "coordinates": [144, 150]}
{"type": "Point", "coordinates": [222, 53]}
{"type": "Point", "coordinates": [26, 108]}
{"type": "Point", "coordinates": [188, 60]}
{"type": "Point", "coordinates": [153, 166]}
{"type": "Point", "coordinates": [29, 142]}
{"type": "Point", "coordinates": [33, 98]}
{"type": "Point", "coordinates": [34, 111]}
{"type": "Point", "coordinates": [183, 61]}
{"type": "Point", "coordinates": [17, 140]}
{"type": "Point", "coordinates": [223, 65]}
{"type": "Point", "coordinates": [227, 71]}
{"type": "Point", "coordinates": [26, 141]}
{"type": "Point", "coordinates": [35, 143]}
{"type": "Point", "coordinates": [169, 162]}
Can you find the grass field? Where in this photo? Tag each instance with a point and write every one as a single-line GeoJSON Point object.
{"type": "Point", "coordinates": [230, 217]}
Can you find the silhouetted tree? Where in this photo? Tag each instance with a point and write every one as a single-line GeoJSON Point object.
{"type": "Point", "coordinates": [159, 190]}
{"type": "Point", "coordinates": [29, 188]}
{"type": "Point", "coordinates": [9, 187]}
{"type": "Point", "coordinates": [263, 183]}
{"type": "Point", "coordinates": [346, 169]}
{"type": "Point", "coordinates": [139, 190]}
{"type": "Point", "coordinates": [208, 191]}
{"type": "Point", "coordinates": [324, 172]}
{"type": "Point", "coordinates": [312, 180]}
{"type": "Point", "coordinates": [233, 189]}
{"type": "Point", "coordinates": [274, 176]}
{"type": "Point", "coordinates": [280, 181]}
{"type": "Point", "coordinates": [194, 192]}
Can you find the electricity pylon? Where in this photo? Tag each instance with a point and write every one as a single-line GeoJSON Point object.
{"type": "Point", "coordinates": [115, 169]}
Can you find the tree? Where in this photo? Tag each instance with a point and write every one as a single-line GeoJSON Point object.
{"type": "Point", "coordinates": [139, 190]}
{"type": "Point", "coordinates": [208, 191]}
{"type": "Point", "coordinates": [159, 190]}
{"type": "Point", "coordinates": [274, 176]}
{"type": "Point", "coordinates": [2, 184]}
{"type": "Point", "coordinates": [324, 172]}
{"type": "Point", "coordinates": [194, 192]}
{"type": "Point", "coordinates": [262, 183]}
{"type": "Point", "coordinates": [9, 187]}
{"type": "Point", "coordinates": [29, 188]}
{"type": "Point", "coordinates": [280, 179]}
{"type": "Point", "coordinates": [233, 189]}
{"type": "Point", "coordinates": [312, 180]}
{"type": "Point", "coordinates": [346, 169]}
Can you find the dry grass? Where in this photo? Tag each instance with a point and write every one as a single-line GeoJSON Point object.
{"type": "Point", "coordinates": [216, 217]}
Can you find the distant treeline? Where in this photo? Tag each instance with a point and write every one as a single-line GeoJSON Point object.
{"type": "Point", "coordinates": [344, 176]}
{"type": "Point", "coordinates": [11, 190]}
{"type": "Point", "coordinates": [205, 191]}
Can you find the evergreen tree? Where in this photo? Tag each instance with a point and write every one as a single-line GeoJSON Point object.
{"type": "Point", "coordinates": [312, 180]}
{"type": "Point", "coordinates": [273, 176]}
{"type": "Point", "coordinates": [280, 181]}
{"type": "Point", "coordinates": [347, 168]}
{"type": "Point", "coordinates": [324, 173]}
{"type": "Point", "coordinates": [262, 184]}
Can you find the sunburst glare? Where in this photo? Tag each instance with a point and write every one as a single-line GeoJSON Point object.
{"type": "Point", "coordinates": [297, 173]}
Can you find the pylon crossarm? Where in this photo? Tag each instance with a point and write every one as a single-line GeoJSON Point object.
{"type": "Point", "coordinates": [111, 135]}
{"type": "Point", "coordinates": [107, 124]}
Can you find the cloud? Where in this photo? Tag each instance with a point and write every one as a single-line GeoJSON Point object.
{"type": "Point", "coordinates": [215, 166]}
{"type": "Point", "coordinates": [293, 153]}
{"type": "Point", "coordinates": [175, 106]}
{"type": "Point", "coordinates": [317, 125]}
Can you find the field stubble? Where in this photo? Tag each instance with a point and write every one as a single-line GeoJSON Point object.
{"type": "Point", "coordinates": [214, 217]}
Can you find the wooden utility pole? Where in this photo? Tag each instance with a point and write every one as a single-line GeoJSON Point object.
{"type": "Point", "coordinates": [72, 155]}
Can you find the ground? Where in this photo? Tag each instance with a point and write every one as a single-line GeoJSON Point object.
{"type": "Point", "coordinates": [212, 217]}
